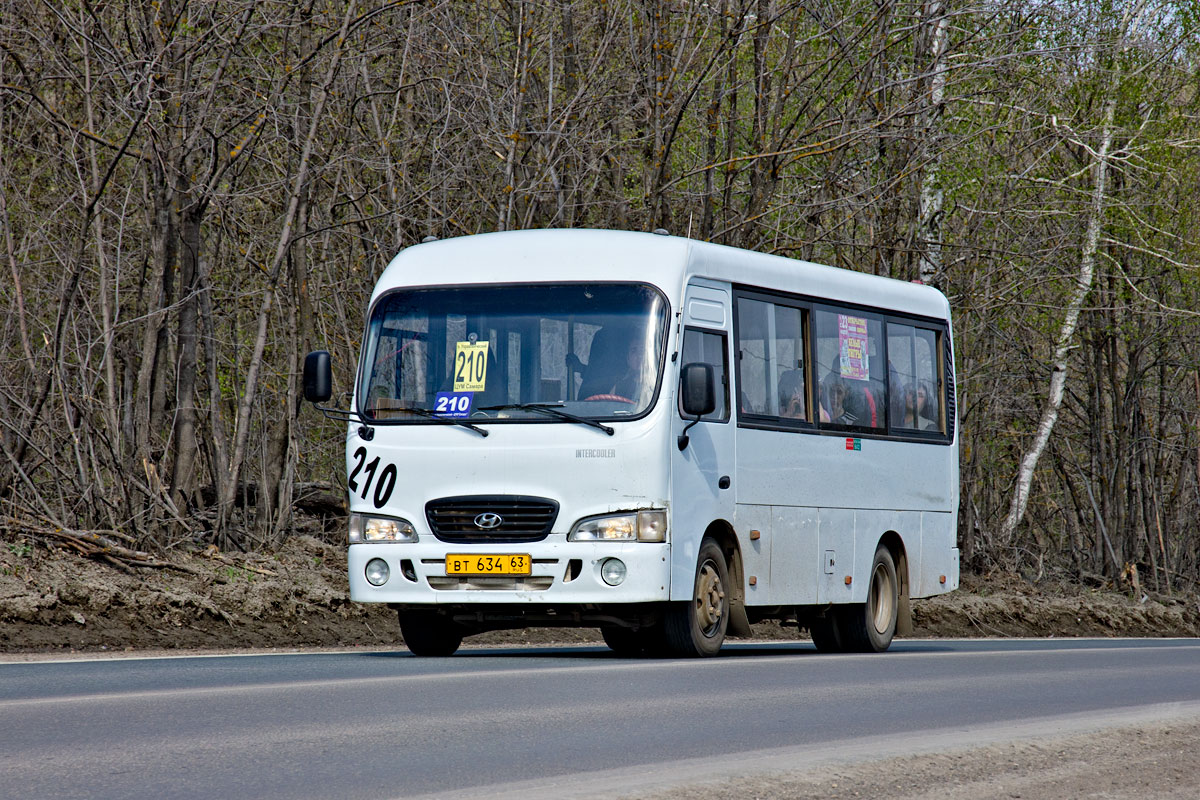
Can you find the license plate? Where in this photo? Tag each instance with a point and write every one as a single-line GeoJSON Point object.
{"type": "Point", "coordinates": [502, 564]}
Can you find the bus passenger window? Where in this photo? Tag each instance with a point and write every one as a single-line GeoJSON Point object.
{"type": "Point", "coordinates": [771, 360]}
{"type": "Point", "coordinates": [753, 369]}
{"type": "Point", "coordinates": [852, 389]}
{"type": "Point", "coordinates": [788, 360]}
{"type": "Point", "coordinates": [913, 378]}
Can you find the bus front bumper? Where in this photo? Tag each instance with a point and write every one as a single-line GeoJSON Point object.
{"type": "Point", "coordinates": [561, 572]}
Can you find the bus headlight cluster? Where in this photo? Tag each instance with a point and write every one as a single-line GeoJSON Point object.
{"type": "Point", "coordinates": [641, 526]}
{"type": "Point", "coordinates": [380, 529]}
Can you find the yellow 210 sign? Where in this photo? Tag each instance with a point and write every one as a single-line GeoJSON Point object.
{"type": "Point", "coordinates": [470, 366]}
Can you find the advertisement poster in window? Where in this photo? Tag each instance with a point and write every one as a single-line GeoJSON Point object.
{"type": "Point", "coordinates": [852, 338]}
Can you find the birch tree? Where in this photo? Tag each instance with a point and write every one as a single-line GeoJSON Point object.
{"type": "Point", "coordinates": [1100, 167]}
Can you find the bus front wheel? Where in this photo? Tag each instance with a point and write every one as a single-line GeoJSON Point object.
{"type": "Point", "coordinates": [698, 628]}
{"type": "Point", "coordinates": [428, 633]}
{"type": "Point", "coordinates": [629, 643]}
{"type": "Point", "coordinates": [869, 627]}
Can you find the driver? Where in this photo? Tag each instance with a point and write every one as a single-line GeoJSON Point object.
{"type": "Point", "coordinates": [629, 383]}
{"type": "Point", "coordinates": [617, 368]}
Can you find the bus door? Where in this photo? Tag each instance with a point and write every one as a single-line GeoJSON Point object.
{"type": "Point", "coordinates": [702, 473]}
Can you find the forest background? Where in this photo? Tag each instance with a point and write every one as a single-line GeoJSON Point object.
{"type": "Point", "coordinates": [195, 194]}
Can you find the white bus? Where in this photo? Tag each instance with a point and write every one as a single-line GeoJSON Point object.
{"type": "Point", "coordinates": [666, 439]}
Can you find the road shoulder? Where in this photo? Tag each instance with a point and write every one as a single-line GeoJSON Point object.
{"type": "Point", "coordinates": [1121, 755]}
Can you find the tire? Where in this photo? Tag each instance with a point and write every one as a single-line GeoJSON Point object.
{"type": "Point", "coordinates": [869, 627]}
{"type": "Point", "coordinates": [627, 642]}
{"type": "Point", "coordinates": [698, 628]}
{"type": "Point", "coordinates": [428, 633]}
{"type": "Point", "coordinates": [825, 633]}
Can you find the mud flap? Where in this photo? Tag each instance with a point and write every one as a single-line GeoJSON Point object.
{"type": "Point", "coordinates": [904, 623]}
{"type": "Point", "coordinates": [739, 621]}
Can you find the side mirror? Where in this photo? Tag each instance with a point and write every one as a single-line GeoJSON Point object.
{"type": "Point", "coordinates": [697, 395]}
{"type": "Point", "coordinates": [697, 385]}
{"type": "Point", "coordinates": [318, 377]}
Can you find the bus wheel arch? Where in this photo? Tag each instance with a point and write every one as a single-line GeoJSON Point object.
{"type": "Point", "coordinates": [895, 545]}
{"type": "Point", "coordinates": [723, 533]}
{"type": "Point", "coordinates": [697, 627]}
{"type": "Point", "coordinates": [869, 627]}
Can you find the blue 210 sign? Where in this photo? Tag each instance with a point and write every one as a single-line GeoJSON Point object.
{"type": "Point", "coordinates": [453, 404]}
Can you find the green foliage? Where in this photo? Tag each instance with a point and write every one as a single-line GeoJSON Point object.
{"type": "Point", "coordinates": [21, 548]}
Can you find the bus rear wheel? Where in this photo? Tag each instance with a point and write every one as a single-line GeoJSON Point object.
{"type": "Point", "coordinates": [825, 634]}
{"type": "Point", "coordinates": [698, 628]}
{"type": "Point", "coordinates": [869, 627]}
{"type": "Point", "coordinates": [427, 633]}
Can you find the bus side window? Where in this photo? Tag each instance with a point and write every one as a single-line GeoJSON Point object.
{"type": "Point", "coordinates": [772, 363]}
{"type": "Point", "coordinates": [929, 385]}
{"type": "Point", "coordinates": [753, 374]}
{"type": "Point", "coordinates": [849, 352]}
{"type": "Point", "coordinates": [913, 374]}
{"type": "Point", "coordinates": [708, 347]}
{"type": "Point", "coordinates": [788, 361]}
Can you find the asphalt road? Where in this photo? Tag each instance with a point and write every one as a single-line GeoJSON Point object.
{"type": "Point", "coordinates": [553, 722]}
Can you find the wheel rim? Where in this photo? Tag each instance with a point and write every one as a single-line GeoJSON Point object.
{"type": "Point", "coordinates": [710, 599]}
{"type": "Point", "coordinates": [883, 600]}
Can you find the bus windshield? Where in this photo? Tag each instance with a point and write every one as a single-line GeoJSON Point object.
{"type": "Point", "coordinates": [591, 350]}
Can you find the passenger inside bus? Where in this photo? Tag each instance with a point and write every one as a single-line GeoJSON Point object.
{"type": "Point", "coordinates": [615, 367]}
{"type": "Point", "coordinates": [791, 395]}
{"type": "Point", "coordinates": [836, 395]}
{"type": "Point", "coordinates": [926, 408]}
{"type": "Point", "coordinates": [870, 407]}
{"type": "Point", "coordinates": [908, 414]}
{"type": "Point", "coordinates": [919, 410]}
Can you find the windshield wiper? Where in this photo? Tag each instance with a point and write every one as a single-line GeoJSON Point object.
{"type": "Point", "coordinates": [552, 410]}
{"type": "Point", "coordinates": [424, 412]}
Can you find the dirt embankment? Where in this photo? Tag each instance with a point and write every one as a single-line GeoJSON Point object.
{"type": "Point", "coordinates": [51, 600]}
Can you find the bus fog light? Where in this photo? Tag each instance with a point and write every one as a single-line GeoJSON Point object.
{"type": "Point", "coordinates": [377, 572]}
{"type": "Point", "coordinates": [613, 571]}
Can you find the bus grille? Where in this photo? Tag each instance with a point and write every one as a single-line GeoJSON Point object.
{"type": "Point", "coordinates": [522, 519]}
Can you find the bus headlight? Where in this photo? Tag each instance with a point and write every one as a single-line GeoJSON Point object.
{"type": "Point", "coordinates": [380, 529]}
{"type": "Point", "coordinates": [641, 526]}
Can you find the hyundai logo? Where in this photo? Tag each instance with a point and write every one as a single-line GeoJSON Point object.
{"type": "Point", "coordinates": [488, 521]}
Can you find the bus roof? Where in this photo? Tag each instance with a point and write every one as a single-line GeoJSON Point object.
{"type": "Point", "coordinates": [555, 255]}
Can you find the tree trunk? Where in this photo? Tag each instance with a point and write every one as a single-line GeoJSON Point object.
{"type": "Point", "coordinates": [1083, 286]}
{"type": "Point", "coordinates": [930, 210]}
